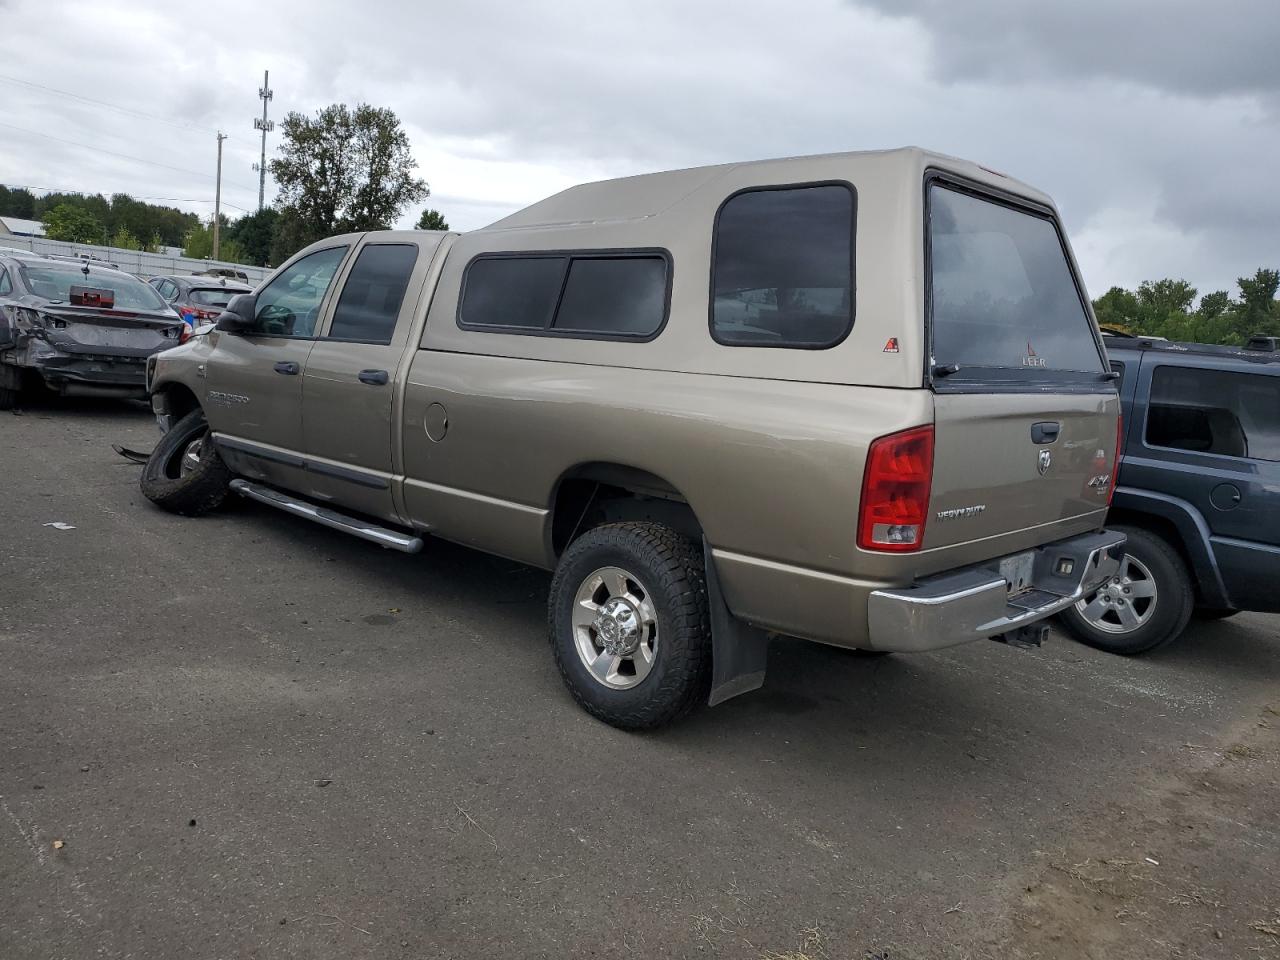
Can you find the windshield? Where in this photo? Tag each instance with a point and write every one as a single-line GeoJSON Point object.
{"type": "Point", "coordinates": [54, 282]}
{"type": "Point", "coordinates": [215, 297]}
{"type": "Point", "coordinates": [1004, 302]}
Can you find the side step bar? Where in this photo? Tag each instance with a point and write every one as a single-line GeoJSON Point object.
{"type": "Point", "coordinates": [383, 537]}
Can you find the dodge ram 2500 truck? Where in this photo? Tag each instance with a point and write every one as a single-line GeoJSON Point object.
{"type": "Point", "coordinates": [858, 398]}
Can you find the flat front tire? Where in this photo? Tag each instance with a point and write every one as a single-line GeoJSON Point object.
{"type": "Point", "coordinates": [1146, 605]}
{"type": "Point", "coordinates": [629, 624]}
{"type": "Point", "coordinates": [184, 473]}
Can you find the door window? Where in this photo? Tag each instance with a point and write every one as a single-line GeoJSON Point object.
{"type": "Point", "coordinates": [289, 306]}
{"type": "Point", "coordinates": [371, 297]}
{"type": "Point", "coordinates": [1215, 411]}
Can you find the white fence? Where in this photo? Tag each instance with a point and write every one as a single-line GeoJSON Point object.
{"type": "Point", "coordinates": [132, 261]}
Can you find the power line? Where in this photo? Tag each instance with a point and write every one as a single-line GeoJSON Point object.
{"type": "Point", "coordinates": [103, 103]}
{"type": "Point", "coordinates": [121, 156]}
{"type": "Point", "coordinates": [33, 188]}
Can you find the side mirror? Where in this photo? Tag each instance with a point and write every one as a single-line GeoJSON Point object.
{"type": "Point", "coordinates": [239, 314]}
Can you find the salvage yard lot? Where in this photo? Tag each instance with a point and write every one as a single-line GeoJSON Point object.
{"type": "Point", "coordinates": [256, 737]}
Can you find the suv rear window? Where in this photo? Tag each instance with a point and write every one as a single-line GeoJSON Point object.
{"type": "Point", "coordinates": [782, 267]}
{"type": "Point", "coordinates": [1004, 303]}
{"type": "Point", "coordinates": [1215, 411]}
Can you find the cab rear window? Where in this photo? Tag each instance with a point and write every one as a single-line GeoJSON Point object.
{"type": "Point", "coordinates": [1004, 303]}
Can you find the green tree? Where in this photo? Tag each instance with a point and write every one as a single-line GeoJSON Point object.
{"type": "Point", "coordinates": [343, 170]}
{"type": "Point", "coordinates": [17, 202]}
{"type": "Point", "coordinates": [71, 223]}
{"type": "Point", "coordinates": [1259, 312]}
{"type": "Point", "coordinates": [432, 220]}
{"type": "Point", "coordinates": [254, 234]}
{"type": "Point", "coordinates": [199, 243]}
{"type": "Point", "coordinates": [1117, 309]}
{"type": "Point", "coordinates": [124, 240]}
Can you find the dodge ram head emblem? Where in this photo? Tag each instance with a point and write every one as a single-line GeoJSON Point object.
{"type": "Point", "coordinates": [1045, 459]}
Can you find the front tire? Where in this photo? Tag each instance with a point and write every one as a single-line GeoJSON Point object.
{"type": "Point", "coordinates": [629, 624]}
{"type": "Point", "coordinates": [1144, 607]}
{"type": "Point", "coordinates": [185, 474]}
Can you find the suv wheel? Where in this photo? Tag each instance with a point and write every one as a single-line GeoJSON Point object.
{"type": "Point", "coordinates": [629, 624]}
{"type": "Point", "coordinates": [1144, 606]}
{"type": "Point", "coordinates": [184, 473]}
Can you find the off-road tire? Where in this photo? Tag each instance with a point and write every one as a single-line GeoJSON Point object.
{"type": "Point", "coordinates": [672, 568]}
{"type": "Point", "coordinates": [1173, 601]}
{"type": "Point", "coordinates": [190, 494]}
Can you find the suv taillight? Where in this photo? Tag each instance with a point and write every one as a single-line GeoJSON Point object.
{"type": "Point", "coordinates": [1115, 467]}
{"type": "Point", "coordinates": [895, 491]}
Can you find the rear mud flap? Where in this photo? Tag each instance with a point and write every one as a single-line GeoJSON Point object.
{"type": "Point", "coordinates": [739, 652]}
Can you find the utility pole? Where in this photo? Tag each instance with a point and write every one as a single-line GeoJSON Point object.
{"type": "Point", "coordinates": [265, 125]}
{"type": "Point", "coordinates": [217, 198]}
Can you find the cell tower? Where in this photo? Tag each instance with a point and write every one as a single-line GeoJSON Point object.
{"type": "Point", "coordinates": [266, 126]}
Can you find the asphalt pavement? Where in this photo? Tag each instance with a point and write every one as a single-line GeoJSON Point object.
{"type": "Point", "coordinates": [249, 736]}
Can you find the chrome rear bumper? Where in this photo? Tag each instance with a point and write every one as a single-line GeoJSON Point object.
{"type": "Point", "coordinates": [974, 602]}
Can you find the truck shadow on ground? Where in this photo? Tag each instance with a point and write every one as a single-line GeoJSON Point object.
{"type": "Point", "coordinates": [812, 691]}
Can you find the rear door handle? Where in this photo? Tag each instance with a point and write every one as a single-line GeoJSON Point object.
{"type": "Point", "coordinates": [288, 368]}
{"type": "Point", "coordinates": [1045, 432]}
{"type": "Point", "coordinates": [376, 377]}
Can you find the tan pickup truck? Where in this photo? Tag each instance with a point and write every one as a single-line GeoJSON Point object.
{"type": "Point", "coordinates": [857, 398]}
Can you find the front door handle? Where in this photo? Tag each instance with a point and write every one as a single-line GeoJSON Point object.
{"type": "Point", "coordinates": [377, 378]}
{"type": "Point", "coordinates": [288, 368]}
{"type": "Point", "coordinates": [1045, 432]}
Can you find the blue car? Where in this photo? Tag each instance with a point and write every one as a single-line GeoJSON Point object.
{"type": "Point", "coordinates": [1198, 493]}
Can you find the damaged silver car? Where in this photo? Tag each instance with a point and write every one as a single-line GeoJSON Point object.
{"type": "Point", "coordinates": [78, 329]}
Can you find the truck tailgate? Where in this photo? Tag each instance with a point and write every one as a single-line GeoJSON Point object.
{"type": "Point", "coordinates": [1005, 462]}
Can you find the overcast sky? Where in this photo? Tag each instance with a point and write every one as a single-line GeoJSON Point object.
{"type": "Point", "coordinates": [1155, 124]}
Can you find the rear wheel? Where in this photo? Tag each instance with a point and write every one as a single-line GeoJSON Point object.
{"type": "Point", "coordinates": [184, 473]}
{"type": "Point", "coordinates": [1144, 606]}
{"type": "Point", "coordinates": [629, 624]}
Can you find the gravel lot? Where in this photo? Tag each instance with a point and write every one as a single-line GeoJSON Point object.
{"type": "Point", "coordinates": [249, 736]}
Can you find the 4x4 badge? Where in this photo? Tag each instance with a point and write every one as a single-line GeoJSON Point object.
{"type": "Point", "coordinates": [1044, 461]}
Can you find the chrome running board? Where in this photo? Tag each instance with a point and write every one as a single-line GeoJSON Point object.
{"type": "Point", "coordinates": [382, 536]}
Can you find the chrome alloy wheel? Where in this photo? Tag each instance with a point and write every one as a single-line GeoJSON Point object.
{"type": "Point", "coordinates": [1123, 603]}
{"type": "Point", "coordinates": [190, 457]}
{"type": "Point", "coordinates": [615, 628]}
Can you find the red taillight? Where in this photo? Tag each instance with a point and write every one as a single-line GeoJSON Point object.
{"type": "Point", "coordinates": [1115, 467]}
{"type": "Point", "coordinates": [184, 334]}
{"type": "Point", "coordinates": [895, 491]}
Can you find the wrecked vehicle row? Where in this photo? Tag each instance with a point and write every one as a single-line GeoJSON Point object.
{"type": "Point", "coordinates": [78, 329]}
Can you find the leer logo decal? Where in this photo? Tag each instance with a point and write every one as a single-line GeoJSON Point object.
{"type": "Point", "coordinates": [1032, 359]}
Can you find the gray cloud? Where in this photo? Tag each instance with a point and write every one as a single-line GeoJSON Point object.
{"type": "Point", "coordinates": [1184, 46]}
{"type": "Point", "coordinates": [1152, 128]}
